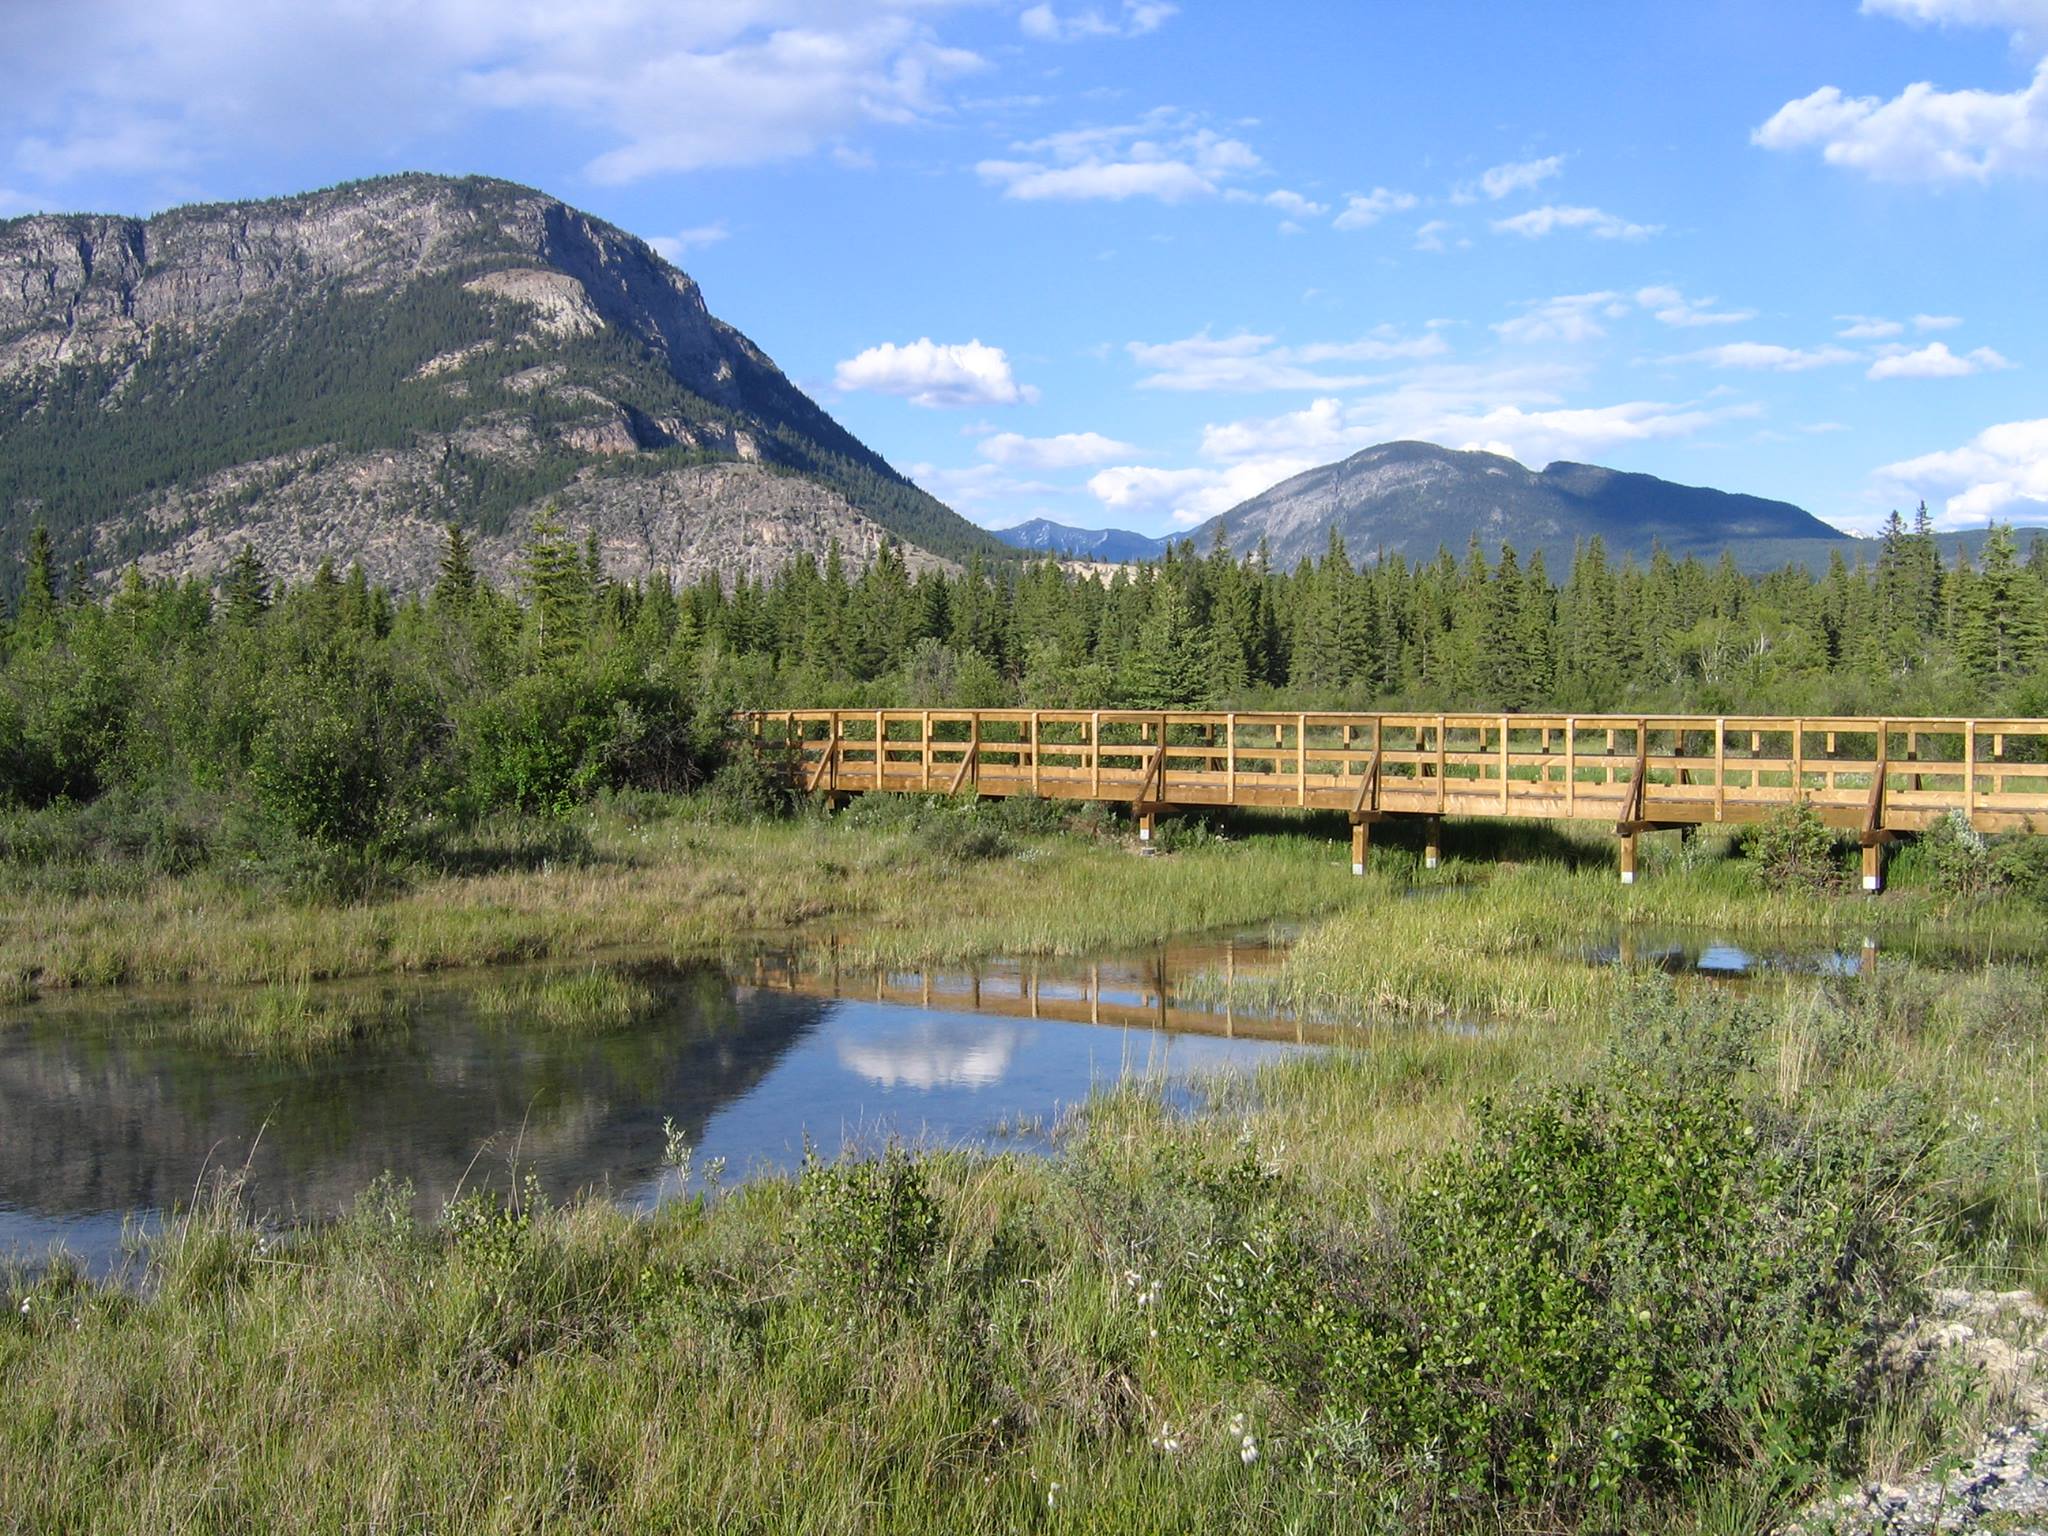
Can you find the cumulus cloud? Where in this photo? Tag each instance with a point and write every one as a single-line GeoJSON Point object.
{"type": "Point", "coordinates": [1765, 357]}
{"type": "Point", "coordinates": [136, 86]}
{"type": "Point", "coordinates": [1362, 210]}
{"type": "Point", "coordinates": [2025, 17]}
{"type": "Point", "coordinates": [1568, 318]}
{"type": "Point", "coordinates": [1538, 222]}
{"type": "Point", "coordinates": [1923, 134]}
{"type": "Point", "coordinates": [1248, 362]}
{"type": "Point", "coordinates": [1190, 496]}
{"type": "Point", "coordinates": [1068, 450]}
{"type": "Point", "coordinates": [1934, 361]}
{"type": "Point", "coordinates": [673, 247]}
{"type": "Point", "coordinates": [936, 375]}
{"type": "Point", "coordinates": [1432, 236]}
{"type": "Point", "coordinates": [1513, 411]}
{"type": "Point", "coordinates": [1672, 307]}
{"type": "Point", "coordinates": [1166, 156]}
{"type": "Point", "coordinates": [1294, 205]}
{"type": "Point", "coordinates": [1045, 24]}
{"type": "Point", "coordinates": [2001, 472]}
{"type": "Point", "coordinates": [1518, 175]}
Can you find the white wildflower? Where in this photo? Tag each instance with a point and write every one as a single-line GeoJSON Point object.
{"type": "Point", "coordinates": [1249, 1453]}
{"type": "Point", "coordinates": [1237, 1426]}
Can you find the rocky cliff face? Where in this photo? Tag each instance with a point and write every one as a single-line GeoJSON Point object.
{"type": "Point", "coordinates": [332, 375]}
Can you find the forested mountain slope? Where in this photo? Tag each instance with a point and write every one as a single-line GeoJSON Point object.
{"type": "Point", "coordinates": [1410, 499]}
{"type": "Point", "coordinates": [336, 375]}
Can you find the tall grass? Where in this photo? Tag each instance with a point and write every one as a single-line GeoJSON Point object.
{"type": "Point", "coordinates": [586, 1000]}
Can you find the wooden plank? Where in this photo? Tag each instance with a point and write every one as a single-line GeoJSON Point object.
{"type": "Point", "coordinates": [1301, 758]}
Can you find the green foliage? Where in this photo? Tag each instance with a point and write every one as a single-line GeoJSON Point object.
{"type": "Point", "coordinates": [868, 1230]}
{"type": "Point", "coordinates": [1612, 1287]}
{"type": "Point", "coordinates": [1793, 849]}
{"type": "Point", "coordinates": [1958, 856]}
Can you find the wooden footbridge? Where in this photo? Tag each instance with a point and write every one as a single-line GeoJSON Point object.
{"type": "Point", "coordinates": [1878, 777]}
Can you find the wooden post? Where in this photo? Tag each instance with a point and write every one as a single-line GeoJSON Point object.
{"type": "Point", "coordinates": [1230, 758]}
{"type": "Point", "coordinates": [832, 749]}
{"type": "Point", "coordinates": [1970, 771]}
{"type": "Point", "coordinates": [1095, 752]}
{"type": "Point", "coordinates": [1873, 867]}
{"type": "Point", "coordinates": [1145, 825]}
{"type": "Point", "coordinates": [1301, 759]}
{"type": "Point", "coordinates": [881, 731]}
{"type": "Point", "coordinates": [1361, 840]}
{"type": "Point", "coordinates": [1628, 858]}
{"type": "Point", "coordinates": [1503, 765]}
{"type": "Point", "coordinates": [1439, 767]}
{"type": "Point", "coordinates": [1034, 756]}
{"type": "Point", "coordinates": [1571, 766]}
{"type": "Point", "coordinates": [1798, 760]}
{"type": "Point", "coordinates": [924, 750]}
{"type": "Point", "coordinates": [1720, 768]}
{"type": "Point", "coordinates": [1432, 842]}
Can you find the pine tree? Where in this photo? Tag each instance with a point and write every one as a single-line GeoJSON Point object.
{"type": "Point", "coordinates": [246, 589]}
{"type": "Point", "coordinates": [35, 621]}
{"type": "Point", "coordinates": [557, 588]}
{"type": "Point", "coordinates": [456, 586]}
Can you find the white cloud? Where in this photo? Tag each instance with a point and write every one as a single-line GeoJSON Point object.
{"type": "Point", "coordinates": [1249, 362]}
{"type": "Point", "coordinates": [1922, 134]}
{"type": "Point", "coordinates": [1361, 211]}
{"type": "Point", "coordinates": [1673, 308]}
{"type": "Point", "coordinates": [161, 87]}
{"type": "Point", "coordinates": [927, 373]}
{"type": "Point", "coordinates": [1190, 496]}
{"type": "Point", "coordinates": [2026, 17]}
{"type": "Point", "coordinates": [1764, 357]}
{"type": "Point", "coordinates": [1569, 318]}
{"type": "Point", "coordinates": [1068, 450]}
{"type": "Point", "coordinates": [1430, 236]}
{"type": "Point", "coordinates": [1044, 24]}
{"type": "Point", "coordinates": [1867, 327]}
{"type": "Point", "coordinates": [1165, 156]}
{"type": "Point", "coordinates": [1504, 411]}
{"type": "Point", "coordinates": [1295, 205]}
{"type": "Point", "coordinates": [1934, 361]}
{"type": "Point", "coordinates": [1936, 322]}
{"type": "Point", "coordinates": [1538, 222]}
{"type": "Point", "coordinates": [1517, 175]}
{"type": "Point", "coordinates": [2002, 471]}
{"type": "Point", "coordinates": [672, 247]}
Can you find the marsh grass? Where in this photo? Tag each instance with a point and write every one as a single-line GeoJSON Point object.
{"type": "Point", "coordinates": [584, 1001]}
{"type": "Point", "coordinates": [933, 1344]}
{"type": "Point", "coordinates": [292, 1019]}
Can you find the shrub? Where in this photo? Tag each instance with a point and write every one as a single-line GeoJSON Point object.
{"type": "Point", "coordinates": [867, 1230]}
{"type": "Point", "coordinates": [2020, 864]}
{"type": "Point", "coordinates": [752, 784]}
{"type": "Point", "coordinates": [1958, 857]}
{"type": "Point", "coordinates": [1792, 849]}
{"type": "Point", "coordinates": [1614, 1286]}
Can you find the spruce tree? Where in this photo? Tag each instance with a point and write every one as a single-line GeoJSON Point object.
{"type": "Point", "coordinates": [246, 589]}
{"type": "Point", "coordinates": [455, 588]}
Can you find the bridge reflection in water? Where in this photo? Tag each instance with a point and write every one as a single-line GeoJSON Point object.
{"type": "Point", "coordinates": [1180, 988]}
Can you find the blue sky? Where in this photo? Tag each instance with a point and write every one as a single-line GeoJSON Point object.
{"type": "Point", "coordinates": [1125, 262]}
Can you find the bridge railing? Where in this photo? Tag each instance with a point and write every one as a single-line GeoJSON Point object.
{"type": "Point", "coordinates": [1857, 771]}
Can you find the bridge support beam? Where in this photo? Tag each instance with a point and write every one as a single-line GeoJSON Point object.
{"type": "Point", "coordinates": [1146, 822]}
{"type": "Point", "coordinates": [1628, 857]}
{"type": "Point", "coordinates": [1361, 843]}
{"type": "Point", "coordinates": [1873, 867]}
{"type": "Point", "coordinates": [1432, 842]}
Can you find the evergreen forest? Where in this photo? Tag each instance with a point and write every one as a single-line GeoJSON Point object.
{"type": "Point", "coordinates": [348, 716]}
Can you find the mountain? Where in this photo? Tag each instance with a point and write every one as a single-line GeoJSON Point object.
{"type": "Point", "coordinates": [1112, 546]}
{"type": "Point", "coordinates": [339, 374]}
{"type": "Point", "coordinates": [1409, 499]}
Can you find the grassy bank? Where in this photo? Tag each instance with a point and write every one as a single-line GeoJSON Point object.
{"type": "Point", "coordinates": [904, 884]}
{"type": "Point", "coordinates": [1354, 1297]}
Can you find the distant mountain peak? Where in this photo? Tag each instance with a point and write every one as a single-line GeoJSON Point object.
{"type": "Point", "coordinates": [1412, 498]}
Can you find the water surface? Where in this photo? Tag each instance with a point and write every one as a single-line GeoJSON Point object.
{"type": "Point", "coordinates": [110, 1114]}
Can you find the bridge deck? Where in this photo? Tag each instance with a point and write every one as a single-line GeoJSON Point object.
{"type": "Point", "coordinates": [1876, 776]}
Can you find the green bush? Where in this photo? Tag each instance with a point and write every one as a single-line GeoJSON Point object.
{"type": "Point", "coordinates": [1793, 849]}
{"type": "Point", "coordinates": [867, 1230]}
{"type": "Point", "coordinates": [1958, 857]}
{"type": "Point", "coordinates": [1611, 1288]}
